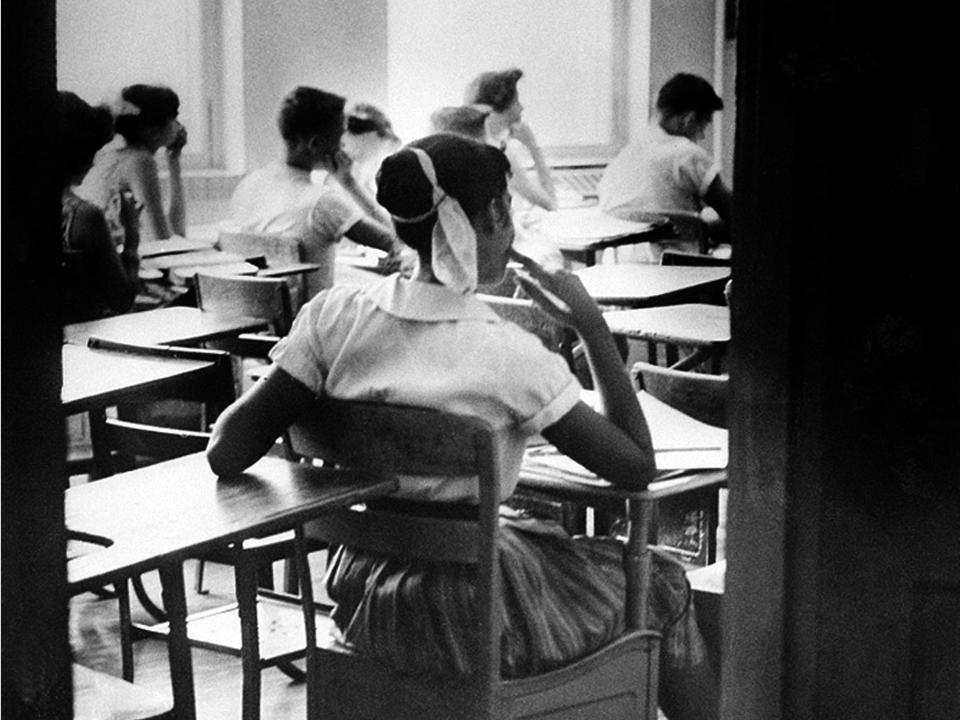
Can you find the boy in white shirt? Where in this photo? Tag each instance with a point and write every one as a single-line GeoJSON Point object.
{"type": "Point", "coordinates": [665, 169]}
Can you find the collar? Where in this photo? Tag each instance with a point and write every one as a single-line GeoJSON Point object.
{"type": "Point", "coordinates": [426, 302]}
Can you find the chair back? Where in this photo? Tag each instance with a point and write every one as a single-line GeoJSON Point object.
{"type": "Point", "coordinates": [619, 680]}
{"type": "Point", "coordinates": [699, 395]}
{"type": "Point", "coordinates": [525, 313]}
{"type": "Point", "coordinates": [142, 433]}
{"type": "Point", "coordinates": [690, 230]}
{"type": "Point", "coordinates": [394, 440]}
{"type": "Point", "coordinates": [266, 298]}
{"type": "Point", "coordinates": [276, 250]}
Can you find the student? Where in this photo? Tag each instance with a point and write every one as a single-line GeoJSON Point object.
{"type": "Point", "coordinates": [99, 278]}
{"type": "Point", "coordinates": [368, 140]}
{"type": "Point", "coordinates": [282, 198]}
{"type": "Point", "coordinates": [665, 168]}
{"type": "Point", "coordinates": [465, 120]}
{"type": "Point", "coordinates": [146, 120]}
{"type": "Point", "coordinates": [507, 130]}
{"type": "Point", "coordinates": [470, 121]}
{"type": "Point", "coordinates": [449, 351]}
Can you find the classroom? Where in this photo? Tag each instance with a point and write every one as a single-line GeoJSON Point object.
{"type": "Point", "coordinates": [390, 366]}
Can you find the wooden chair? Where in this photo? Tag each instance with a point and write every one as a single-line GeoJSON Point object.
{"type": "Point", "coordinates": [275, 249]}
{"type": "Point", "coordinates": [121, 445]}
{"type": "Point", "coordinates": [617, 681]}
{"type": "Point", "coordinates": [700, 395]}
{"type": "Point", "coordinates": [267, 298]}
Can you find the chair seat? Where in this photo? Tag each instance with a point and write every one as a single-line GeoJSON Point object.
{"type": "Point", "coordinates": [590, 688]}
{"type": "Point", "coordinates": [98, 696]}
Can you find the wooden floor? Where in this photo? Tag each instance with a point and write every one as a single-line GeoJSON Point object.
{"type": "Point", "coordinates": [94, 633]}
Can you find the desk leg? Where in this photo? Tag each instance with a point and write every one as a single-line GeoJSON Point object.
{"type": "Point", "coordinates": [178, 647]}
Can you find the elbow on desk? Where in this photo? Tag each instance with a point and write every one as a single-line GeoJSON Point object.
{"type": "Point", "coordinates": [223, 460]}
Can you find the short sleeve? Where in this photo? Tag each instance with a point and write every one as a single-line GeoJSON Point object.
{"type": "Point", "coordinates": [535, 383]}
{"type": "Point", "coordinates": [299, 353]}
{"type": "Point", "coordinates": [334, 213]}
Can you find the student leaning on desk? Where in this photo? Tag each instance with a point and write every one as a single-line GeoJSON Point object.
{"type": "Point", "coordinates": [449, 351]}
{"type": "Point", "coordinates": [665, 168]}
{"type": "Point", "coordinates": [282, 197]}
{"type": "Point", "coordinates": [97, 279]}
{"type": "Point", "coordinates": [146, 121]}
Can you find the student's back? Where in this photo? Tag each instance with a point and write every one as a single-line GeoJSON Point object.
{"type": "Point", "coordinates": [665, 169]}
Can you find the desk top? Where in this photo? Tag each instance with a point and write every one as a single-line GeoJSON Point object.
{"type": "Point", "coordinates": [172, 245]}
{"type": "Point", "coordinates": [99, 378]}
{"type": "Point", "coordinates": [591, 228]}
{"type": "Point", "coordinates": [164, 326]}
{"type": "Point", "coordinates": [179, 508]}
{"type": "Point", "coordinates": [694, 324]}
{"type": "Point", "coordinates": [643, 285]}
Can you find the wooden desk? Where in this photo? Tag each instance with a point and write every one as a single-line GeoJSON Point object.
{"type": "Point", "coordinates": [171, 246]}
{"type": "Point", "coordinates": [638, 285]}
{"type": "Point", "coordinates": [580, 233]}
{"type": "Point", "coordinates": [705, 328]}
{"type": "Point", "coordinates": [354, 269]}
{"type": "Point", "coordinates": [157, 516]}
{"type": "Point", "coordinates": [694, 324]}
{"type": "Point", "coordinates": [96, 379]}
{"type": "Point", "coordinates": [164, 326]}
{"type": "Point", "coordinates": [691, 458]}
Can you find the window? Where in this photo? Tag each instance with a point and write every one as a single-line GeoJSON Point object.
{"type": "Point", "coordinates": [580, 62]}
{"type": "Point", "coordinates": [104, 45]}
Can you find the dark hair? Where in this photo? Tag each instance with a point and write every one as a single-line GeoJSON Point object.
{"type": "Point", "coordinates": [308, 111]}
{"type": "Point", "coordinates": [473, 173]}
{"type": "Point", "coordinates": [365, 118]}
{"type": "Point", "coordinates": [83, 131]}
{"type": "Point", "coordinates": [496, 89]}
{"type": "Point", "coordinates": [151, 107]}
{"type": "Point", "coordinates": [684, 93]}
{"type": "Point", "coordinates": [465, 120]}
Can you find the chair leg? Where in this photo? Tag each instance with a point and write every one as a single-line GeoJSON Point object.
{"type": "Point", "coordinates": [245, 578]}
{"type": "Point", "coordinates": [198, 577]}
{"type": "Point", "coordinates": [126, 627]}
{"type": "Point", "coordinates": [309, 618]}
{"type": "Point", "coordinates": [265, 576]}
{"type": "Point", "coordinates": [149, 605]}
{"type": "Point", "coordinates": [291, 578]}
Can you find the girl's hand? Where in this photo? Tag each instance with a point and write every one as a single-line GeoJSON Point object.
{"type": "Point", "coordinates": [340, 164]}
{"type": "Point", "coordinates": [560, 294]}
{"type": "Point", "coordinates": [179, 140]}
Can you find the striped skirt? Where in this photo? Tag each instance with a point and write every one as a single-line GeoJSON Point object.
{"type": "Point", "coordinates": [562, 598]}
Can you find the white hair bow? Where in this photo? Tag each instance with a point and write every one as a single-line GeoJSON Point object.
{"type": "Point", "coordinates": [454, 244]}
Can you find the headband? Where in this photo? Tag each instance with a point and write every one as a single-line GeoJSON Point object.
{"type": "Point", "coordinates": [454, 244]}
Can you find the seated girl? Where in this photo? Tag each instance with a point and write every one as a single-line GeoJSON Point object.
{"type": "Point", "coordinates": [471, 121]}
{"type": "Point", "coordinates": [146, 121]}
{"type": "Point", "coordinates": [507, 130]}
{"type": "Point", "coordinates": [449, 351]}
{"type": "Point", "coordinates": [99, 278]}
